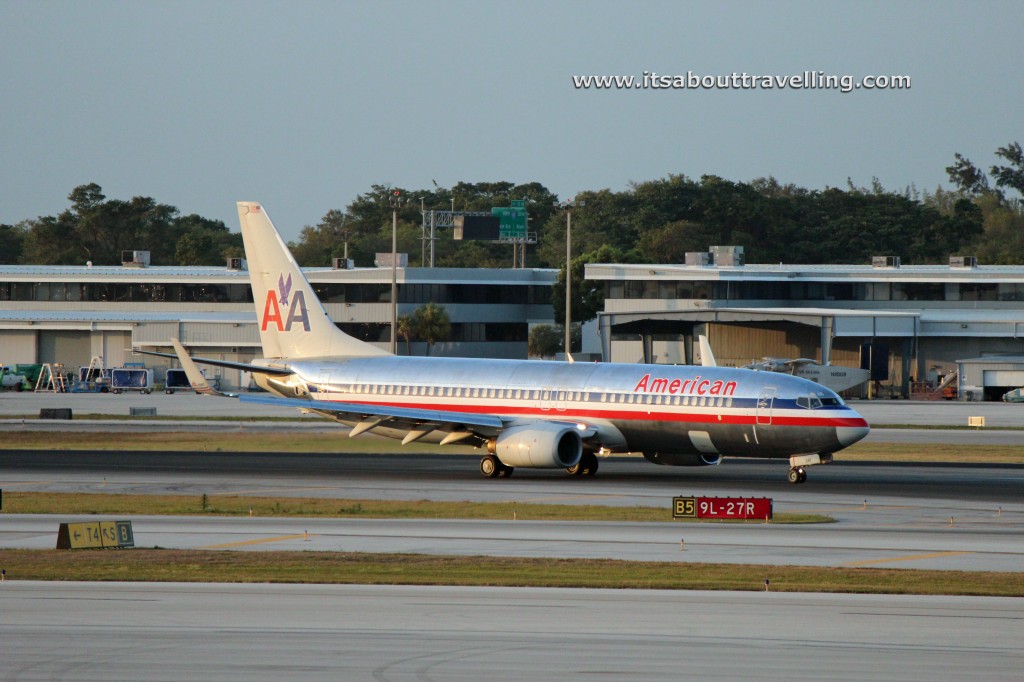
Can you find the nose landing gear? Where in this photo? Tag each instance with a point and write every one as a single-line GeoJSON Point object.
{"type": "Point", "coordinates": [798, 464]}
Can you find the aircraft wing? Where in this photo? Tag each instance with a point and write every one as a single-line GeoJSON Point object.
{"type": "Point", "coordinates": [359, 409]}
{"type": "Point", "coordinates": [418, 422]}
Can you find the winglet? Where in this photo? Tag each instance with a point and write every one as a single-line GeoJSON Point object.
{"type": "Point", "coordinates": [707, 358]}
{"type": "Point", "coordinates": [195, 377]}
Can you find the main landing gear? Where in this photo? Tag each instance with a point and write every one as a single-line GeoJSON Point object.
{"type": "Point", "coordinates": [798, 464]}
{"type": "Point", "coordinates": [491, 467]}
{"type": "Point", "coordinates": [587, 466]}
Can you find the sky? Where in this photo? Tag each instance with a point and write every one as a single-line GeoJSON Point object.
{"type": "Point", "coordinates": [303, 105]}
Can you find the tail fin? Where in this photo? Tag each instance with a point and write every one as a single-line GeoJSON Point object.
{"type": "Point", "coordinates": [707, 358]}
{"type": "Point", "coordinates": [293, 323]}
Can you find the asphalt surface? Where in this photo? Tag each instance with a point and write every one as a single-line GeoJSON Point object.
{"type": "Point", "coordinates": [118, 631]}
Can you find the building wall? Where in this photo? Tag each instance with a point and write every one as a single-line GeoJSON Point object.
{"type": "Point", "coordinates": [18, 347]}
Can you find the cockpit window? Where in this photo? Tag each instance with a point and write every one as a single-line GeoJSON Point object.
{"type": "Point", "coordinates": [815, 401]}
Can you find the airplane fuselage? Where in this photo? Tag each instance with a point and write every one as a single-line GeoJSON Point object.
{"type": "Point", "coordinates": [661, 410]}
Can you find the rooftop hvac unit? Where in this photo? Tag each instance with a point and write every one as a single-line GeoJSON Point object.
{"type": "Point", "coordinates": [237, 264]}
{"type": "Point", "coordinates": [885, 261]}
{"type": "Point", "coordinates": [963, 262]}
{"type": "Point", "coordinates": [344, 263]}
{"type": "Point", "coordinates": [135, 259]}
{"type": "Point", "coordinates": [699, 258]}
{"type": "Point", "coordinates": [383, 260]}
{"type": "Point", "coordinates": [727, 255]}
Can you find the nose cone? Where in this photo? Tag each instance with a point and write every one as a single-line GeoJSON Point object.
{"type": "Point", "coordinates": [848, 435]}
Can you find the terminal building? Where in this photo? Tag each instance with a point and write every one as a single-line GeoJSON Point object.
{"type": "Point", "coordinates": [72, 314]}
{"type": "Point", "coordinates": [912, 325]}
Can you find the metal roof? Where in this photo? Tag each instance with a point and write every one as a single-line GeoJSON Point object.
{"type": "Point", "coordinates": [812, 273]}
{"type": "Point", "coordinates": [221, 275]}
{"type": "Point", "coordinates": [82, 315]}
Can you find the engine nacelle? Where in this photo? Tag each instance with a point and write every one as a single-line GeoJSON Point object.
{"type": "Point", "coordinates": [543, 445]}
{"type": "Point", "coordinates": [683, 460]}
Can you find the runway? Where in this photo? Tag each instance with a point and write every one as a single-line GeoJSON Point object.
{"type": "Point", "coordinates": [941, 517]}
{"type": "Point", "coordinates": [104, 631]}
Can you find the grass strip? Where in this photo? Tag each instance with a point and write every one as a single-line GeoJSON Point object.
{"type": "Point", "coordinates": [164, 565]}
{"type": "Point", "coordinates": [933, 452]}
{"type": "Point", "coordinates": [316, 507]}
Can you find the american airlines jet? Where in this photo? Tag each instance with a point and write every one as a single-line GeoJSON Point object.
{"type": "Point", "coordinates": [525, 413]}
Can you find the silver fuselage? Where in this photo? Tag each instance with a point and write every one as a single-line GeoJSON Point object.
{"type": "Point", "coordinates": [637, 408]}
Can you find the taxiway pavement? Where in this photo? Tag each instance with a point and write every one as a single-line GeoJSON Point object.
{"type": "Point", "coordinates": [143, 632]}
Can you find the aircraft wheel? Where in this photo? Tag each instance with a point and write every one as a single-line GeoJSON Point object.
{"type": "Point", "coordinates": [576, 469]}
{"type": "Point", "coordinates": [490, 466]}
{"type": "Point", "coordinates": [505, 471]}
{"type": "Point", "coordinates": [795, 477]}
{"type": "Point", "coordinates": [589, 461]}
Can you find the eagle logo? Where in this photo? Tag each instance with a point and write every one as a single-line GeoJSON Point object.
{"type": "Point", "coordinates": [284, 288]}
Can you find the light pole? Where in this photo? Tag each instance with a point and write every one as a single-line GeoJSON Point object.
{"type": "Point", "coordinates": [395, 200]}
{"type": "Point", "coordinates": [568, 204]}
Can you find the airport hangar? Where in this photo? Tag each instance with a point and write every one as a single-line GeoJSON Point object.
{"type": "Point", "coordinates": [917, 323]}
{"type": "Point", "coordinates": [70, 314]}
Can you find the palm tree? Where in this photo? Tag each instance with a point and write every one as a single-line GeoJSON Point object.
{"type": "Point", "coordinates": [430, 323]}
{"type": "Point", "coordinates": [405, 331]}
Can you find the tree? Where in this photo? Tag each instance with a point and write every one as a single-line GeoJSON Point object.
{"type": "Point", "coordinates": [12, 240]}
{"type": "Point", "coordinates": [545, 340]}
{"type": "Point", "coordinates": [1011, 176]}
{"type": "Point", "coordinates": [587, 295]}
{"type": "Point", "coordinates": [318, 245]}
{"type": "Point", "coordinates": [430, 323]}
{"type": "Point", "coordinates": [405, 331]}
{"type": "Point", "coordinates": [968, 178]}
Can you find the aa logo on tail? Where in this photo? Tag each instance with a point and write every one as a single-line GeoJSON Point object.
{"type": "Point", "coordinates": [276, 300]}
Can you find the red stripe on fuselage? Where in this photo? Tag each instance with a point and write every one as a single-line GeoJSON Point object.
{"type": "Point", "coordinates": [747, 416]}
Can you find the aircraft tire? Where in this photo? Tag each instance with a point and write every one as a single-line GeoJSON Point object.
{"type": "Point", "coordinates": [505, 471]}
{"type": "Point", "coordinates": [794, 476]}
{"type": "Point", "coordinates": [589, 461]}
{"type": "Point", "coordinates": [490, 466]}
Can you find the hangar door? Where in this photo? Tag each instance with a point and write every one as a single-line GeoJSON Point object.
{"type": "Point", "coordinates": [73, 348]}
{"type": "Point", "coordinates": [1011, 378]}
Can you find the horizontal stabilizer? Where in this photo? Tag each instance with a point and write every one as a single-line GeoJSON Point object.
{"type": "Point", "coordinates": [244, 366]}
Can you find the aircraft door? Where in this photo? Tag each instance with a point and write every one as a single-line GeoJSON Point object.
{"type": "Point", "coordinates": [765, 402]}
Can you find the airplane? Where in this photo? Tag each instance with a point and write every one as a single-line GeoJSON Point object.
{"type": "Point", "coordinates": [835, 377]}
{"type": "Point", "coordinates": [524, 413]}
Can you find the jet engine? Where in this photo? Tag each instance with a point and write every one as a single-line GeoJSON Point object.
{"type": "Point", "coordinates": [541, 445]}
{"type": "Point", "coordinates": [683, 460]}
